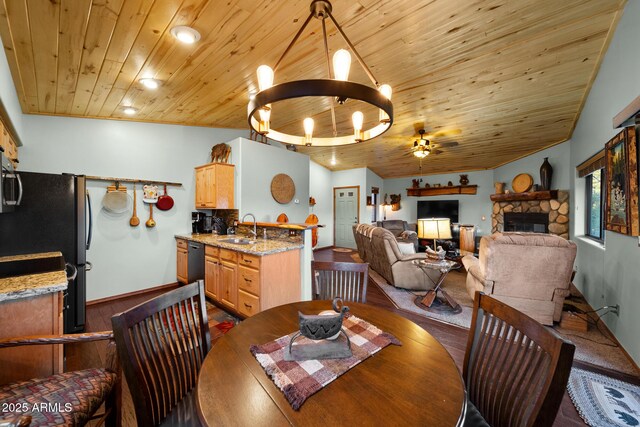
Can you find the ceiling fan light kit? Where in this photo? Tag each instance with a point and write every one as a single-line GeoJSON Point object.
{"type": "Point", "coordinates": [338, 88]}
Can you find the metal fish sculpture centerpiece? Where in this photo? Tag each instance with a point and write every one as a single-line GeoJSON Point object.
{"type": "Point", "coordinates": [321, 328]}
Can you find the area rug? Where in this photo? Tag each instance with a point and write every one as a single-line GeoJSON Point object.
{"type": "Point", "coordinates": [300, 379]}
{"type": "Point", "coordinates": [345, 250]}
{"type": "Point", "coordinates": [594, 346]}
{"type": "Point", "coordinates": [603, 401]}
{"type": "Point", "coordinates": [220, 322]}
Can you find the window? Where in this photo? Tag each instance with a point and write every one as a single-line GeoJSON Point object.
{"type": "Point", "coordinates": [595, 208]}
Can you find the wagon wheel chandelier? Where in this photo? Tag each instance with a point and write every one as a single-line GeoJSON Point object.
{"type": "Point", "coordinates": [338, 88]}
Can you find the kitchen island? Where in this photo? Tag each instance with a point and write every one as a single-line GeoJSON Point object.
{"type": "Point", "coordinates": [247, 276]}
{"type": "Point", "coordinates": [31, 304]}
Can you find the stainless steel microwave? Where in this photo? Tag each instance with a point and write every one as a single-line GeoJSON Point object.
{"type": "Point", "coordinates": [10, 186]}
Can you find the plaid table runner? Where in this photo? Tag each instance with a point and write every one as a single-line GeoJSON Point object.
{"type": "Point", "coordinates": [300, 379]}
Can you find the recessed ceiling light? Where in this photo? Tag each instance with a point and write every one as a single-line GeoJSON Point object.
{"type": "Point", "coordinates": [333, 161]}
{"type": "Point", "coordinates": [150, 83]}
{"type": "Point", "coordinates": [130, 111]}
{"type": "Point", "coordinates": [252, 96]}
{"type": "Point", "coordinates": [185, 34]}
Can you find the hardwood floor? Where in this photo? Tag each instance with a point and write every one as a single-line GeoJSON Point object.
{"type": "Point", "coordinates": [453, 338]}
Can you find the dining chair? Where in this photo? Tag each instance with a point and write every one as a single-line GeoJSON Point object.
{"type": "Point", "coordinates": [162, 344]}
{"type": "Point", "coordinates": [515, 369]}
{"type": "Point", "coordinates": [77, 394]}
{"type": "Point", "coordinates": [347, 280]}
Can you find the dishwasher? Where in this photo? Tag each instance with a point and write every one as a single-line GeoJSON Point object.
{"type": "Point", "coordinates": [195, 262]}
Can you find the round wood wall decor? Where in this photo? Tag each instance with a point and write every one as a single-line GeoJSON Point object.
{"type": "Point", "coordinates": [522, 183]}
{"type": "Point", "coordinates": [282, 188]}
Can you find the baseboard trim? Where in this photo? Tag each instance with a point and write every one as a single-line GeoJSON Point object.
{"type": "Point", "coordinates": [166, 287]}
{"type": "Point", "coordinates": [322, 248]}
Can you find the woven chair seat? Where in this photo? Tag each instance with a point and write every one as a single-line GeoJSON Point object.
{"type": "Point", "coordinates": [68, 399]}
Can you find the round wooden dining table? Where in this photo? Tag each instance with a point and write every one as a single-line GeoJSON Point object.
{"type": "Point", "coordinates": [416, 383]}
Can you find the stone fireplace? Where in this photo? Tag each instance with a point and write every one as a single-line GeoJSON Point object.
{"type": "Point", "coordinates": [555, 211]}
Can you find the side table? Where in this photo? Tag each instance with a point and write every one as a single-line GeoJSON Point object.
{"type": "Point", "coordinates": [429, 301]}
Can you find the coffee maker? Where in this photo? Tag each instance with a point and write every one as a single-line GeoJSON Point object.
{"type": "Point", "coordinates": [199, 223]}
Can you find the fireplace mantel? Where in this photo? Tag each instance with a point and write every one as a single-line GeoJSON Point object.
{"type": "Point", "coordinates": [532, 195]}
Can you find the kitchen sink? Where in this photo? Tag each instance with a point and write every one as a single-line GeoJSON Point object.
{"type": "Point", "coordinates": [239, 241]}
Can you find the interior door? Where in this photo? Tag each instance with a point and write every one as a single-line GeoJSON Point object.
{"type": "Point", "coordinates": [346, 214]}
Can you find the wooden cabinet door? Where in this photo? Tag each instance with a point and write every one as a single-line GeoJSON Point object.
{"type": "Point", "coordinates": [228, 283]}
{"type": "Point", "coordinates": [201, 188]}
{"type": "Point", "coordinates": [211, 277]}
{"type": "Point", "coordinates": [210, 186]}
{"type": "Point", "coordinates": [181, 265]}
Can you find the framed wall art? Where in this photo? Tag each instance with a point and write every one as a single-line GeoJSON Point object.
{"type": "Point", "coordinates": [621, 209]}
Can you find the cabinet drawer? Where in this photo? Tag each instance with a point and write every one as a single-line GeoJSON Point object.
{"type": "Point", "coordinates": [182, 243]}
{"type": "Point", "coordinates": [228, 255]}
{"type": "Point", "coordinates": [249, 260]}
{"type": "Point", "coordinates": [249, 280]}
{"type": "Point", "coordinates": [211, 251]}
{"type": "Point", "coordinates": [248, 305]}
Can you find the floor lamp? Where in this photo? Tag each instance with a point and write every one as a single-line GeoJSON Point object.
{"type": "Point", "coordinates": [434, 228]}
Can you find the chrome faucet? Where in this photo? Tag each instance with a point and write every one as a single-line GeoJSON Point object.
{"type": "Point", "coordinates": [255, 231]}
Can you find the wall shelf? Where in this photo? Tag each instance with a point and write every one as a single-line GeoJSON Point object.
{"type": "Point", "coordinates": [442, 191]}
{"type": "Point", "coordinates": [532, 195]}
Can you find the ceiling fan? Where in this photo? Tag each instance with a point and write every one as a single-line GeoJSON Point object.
{"type": "Point", "coordinates": [422, 147]}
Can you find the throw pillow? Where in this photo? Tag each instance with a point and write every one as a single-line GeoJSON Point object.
{"type": "Point", "coordinates": [406, 248]}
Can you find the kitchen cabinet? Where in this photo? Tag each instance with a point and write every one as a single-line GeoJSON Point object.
{"type": "Point", "coordinates": [9, 146]}
{"type": "Point", "coordinates": [215, 186]}
{"type": "Point", "coordinates": [38, 315]}
{"type": "Point", "coordinates": [182, 261]}
{"type": "Point", "coordinates": [212, 273]}
{"type": "Point", "coordinates": [228, 283]}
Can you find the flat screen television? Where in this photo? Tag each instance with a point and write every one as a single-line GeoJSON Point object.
{"type": "Point", "coordinates": [439, 209]}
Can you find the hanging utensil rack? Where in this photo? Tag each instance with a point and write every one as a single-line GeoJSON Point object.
{"type": "Point", "coordinates": [135, 180]}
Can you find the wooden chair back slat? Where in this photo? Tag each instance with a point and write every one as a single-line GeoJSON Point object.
{"type": "Point", "coordinates": [162, 344]}
{"type": "Point", "coordinates": [347, 280]}
{"type": "Point", "coordinates": [515, 369]}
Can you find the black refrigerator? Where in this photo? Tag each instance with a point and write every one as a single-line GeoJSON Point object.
{"type": "Point", "coordinates": [54, 215]}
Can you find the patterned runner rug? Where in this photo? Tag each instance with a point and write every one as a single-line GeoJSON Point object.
{"type": "Point", "coordinates": [602, 401]}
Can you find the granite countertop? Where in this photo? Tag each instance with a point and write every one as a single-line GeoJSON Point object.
{"type": "Point", "coordinates": [284, 225]}
{"type": "Point", "coordinates": [30, 256]}
{"type": "Point", "coordinates": [31, 285]}
{"type": "Point", "coordinates": [261, 247]}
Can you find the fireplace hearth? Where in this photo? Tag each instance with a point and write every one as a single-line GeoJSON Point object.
{"type": "Point", "coordinates": [527, 222]}
{"type": "Point", "coordinates": [552, 214]}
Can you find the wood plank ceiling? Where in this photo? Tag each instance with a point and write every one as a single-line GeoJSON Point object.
{"type": "Point", "coordinates": [512, 75]}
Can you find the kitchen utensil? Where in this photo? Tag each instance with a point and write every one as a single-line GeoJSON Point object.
{"type": "Point", "coordinates": [522, 183]}
{"type": "Point", "coordinates": [150, 193]}
{"type": "Point", "coordinates": [116, 200]}
{"type": "Point", "coordinates": [150, 222]}
{"type": "Point", "coordinates": [165, 202]}
{"type": "Point", "coordinates": [134, 221]}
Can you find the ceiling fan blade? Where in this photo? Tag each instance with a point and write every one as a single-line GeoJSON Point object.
{"type": "Point", "coordinates": [417, 127]}
{"type": "Point", "coordinates": [445, 144]}
{"type": "Point", "coordinates": [444, 132]}
{"type": "Point", "coordinates": [436, 152]}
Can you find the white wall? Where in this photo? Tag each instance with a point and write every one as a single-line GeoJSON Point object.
{"type": "Point", "coordinates": [559, 158]}
{"type": "Point", "coordinates": [320, 189]}
{"type": "Point", "coordinates": [609, 275]}
{"type": "Point", "coordinates": [9, 97]}
{"type": "Point", "coordinates": [125, 259]}
{"type": "Point", "coordinates": [472, 207]}
{"type": "Point", "coordinates": [256, 165]}
{"type": "Point", "coordinates": [373, 180]}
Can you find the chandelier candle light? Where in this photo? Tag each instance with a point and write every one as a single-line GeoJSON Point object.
{"type": "Point", "coordinates": [338, 88]}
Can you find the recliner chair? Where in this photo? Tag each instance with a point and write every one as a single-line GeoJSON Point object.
{"type": "Point", "coordinates": [528, 271]}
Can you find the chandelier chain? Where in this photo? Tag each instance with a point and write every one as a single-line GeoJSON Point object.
{"type": "Point", "coordinates": [326, 52]}
{"type": "Point", "coordinates": [295, 39]}
{"type": "Point", "coordinates": [353, 49]}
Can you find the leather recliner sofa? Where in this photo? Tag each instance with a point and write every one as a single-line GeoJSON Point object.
{"type": "Point", "coordinates": [379, 248]}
